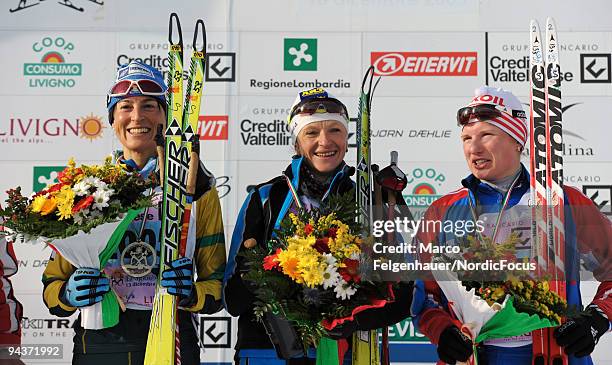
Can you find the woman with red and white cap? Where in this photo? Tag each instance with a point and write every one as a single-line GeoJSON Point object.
{"type": "Point", "coordinates": [137, 106]}
{"type": "Point", "coordinates": [319, 126]}
{"type": "Point", "coordinates": [493, 134]}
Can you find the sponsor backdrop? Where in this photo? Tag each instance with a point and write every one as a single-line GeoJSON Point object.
{"type": "Point", "coordinates": [59, 56]}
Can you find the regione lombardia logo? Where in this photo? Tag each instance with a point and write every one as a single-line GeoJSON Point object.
{"type": "Point", "coordinates": [300, 54]}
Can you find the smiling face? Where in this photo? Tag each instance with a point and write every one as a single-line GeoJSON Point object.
{"type": "Point", "coordinates": [323, 144]}
{"type": "Point", "coordinates": [135, 124]}
{"type": "Point", "coordinates": [491, 154]}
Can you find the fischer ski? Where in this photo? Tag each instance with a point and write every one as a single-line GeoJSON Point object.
{"type": "Point", "coordinates": [180, 164]}
{"type": "Point", "coordinates": [365, 343]}
{"type": "Point", "coordinates": [546, 168]}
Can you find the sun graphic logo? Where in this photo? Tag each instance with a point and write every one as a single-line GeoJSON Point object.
{"type": "Point", "coordinates": [424, 182]}
{"type": "Point", "coordinates": [52, 70]}
{"type": "Point", "coordinates": [90, 127]}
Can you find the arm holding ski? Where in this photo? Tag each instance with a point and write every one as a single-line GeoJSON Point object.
{"type": "Point", "coordinates": [429, 309]}
{"type": "Point", "coordinates": [209, 255]}
{"type": "Point", "coordinates": [54, 279]}
{"type": "Point", "coordinates": [249, 225]}
{"type": "Point", "coordinates": [594, 237]}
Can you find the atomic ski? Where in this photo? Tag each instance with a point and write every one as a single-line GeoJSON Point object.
{"type": "Point", "coordinates": [546, 168]}
{"type": "Point", "coordinates": [365, 343]}
{"type": "Point", "coordinates": [180, 164]}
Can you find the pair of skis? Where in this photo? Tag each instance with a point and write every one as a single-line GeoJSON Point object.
{"type": "Point", "coordinates": [179, 151]}
{"type": "Point", "coordinates": [365, 343]}
{"type": "Point", "coordinates": [546, 168]}
{"type": "Point", "coordinates": [371, 182]}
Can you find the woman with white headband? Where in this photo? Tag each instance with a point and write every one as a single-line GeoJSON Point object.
{"type": "Point", "coordinates": [319, 127]}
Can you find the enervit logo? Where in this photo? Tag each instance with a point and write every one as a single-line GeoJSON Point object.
{"type": "Point", "coordinates": [213, 127]}
{"type": "Point", "coordinates": [425, 63]}
{"type": "Point", "coordinates": [44, 176]}
{"type": "Point", "coordinates": [52, 70]}
{"type": "Point", "coordinates": [300, 54]}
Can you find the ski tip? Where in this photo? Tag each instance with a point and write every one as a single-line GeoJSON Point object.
{"type": "Point", "coordinates": [534, 31]}
{"type": "Point", "coordinates": [550, 23]}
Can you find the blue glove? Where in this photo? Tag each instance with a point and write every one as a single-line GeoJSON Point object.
{"type": "Point", "coordinates": [178, 279]}
{"type": "Point", "coordinates": [85, 287]}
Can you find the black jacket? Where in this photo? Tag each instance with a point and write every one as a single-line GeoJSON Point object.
{"type": "Point", "coordinates": [257, 219]}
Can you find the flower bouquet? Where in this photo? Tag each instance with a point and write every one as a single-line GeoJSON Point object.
{"type": "Point", "coordinates": [82, 217]}
{"type": "Point", "coordinates": [309, 275]}
{"type": "Point", "coordinates": [508, 305]}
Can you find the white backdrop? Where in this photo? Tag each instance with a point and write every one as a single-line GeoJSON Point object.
{"type": "Point", "coordinates": [57, 62]}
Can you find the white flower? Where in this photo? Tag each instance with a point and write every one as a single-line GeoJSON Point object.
{"type": "Point", "coordinates": [100, 185]}
{"type": "Point", "coordinates": [344, 290]}
{"type": "Point", "coordinates": [330, 277]}
{"type": "Point", "coordinates": [101, 198]}
{"type": "Point", "coordinates": [89, 180]}
{"type": "Point", "coordinates": [330, 260]}
{"type": "Point", "coordinates": [81, 188]}
{"type": "Point", "coordinates": [96, 182]}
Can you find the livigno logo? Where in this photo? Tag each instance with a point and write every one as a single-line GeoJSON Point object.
{"type": "Point", "coordinates": [300, 54]}
{"type": "Point", "coordinates": [52, 70]}
{"type": "Point", "coordinates": [44, 176]}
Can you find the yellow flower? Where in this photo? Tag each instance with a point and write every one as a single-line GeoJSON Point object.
{"type": "Point", "coordinates": [289, 263]}
{"type": "Point", "coordinates": [299, 244]}
{"type": "Point", "coordinates": [309, 259]}
{"type": "Point", "coordinates": [65, 201]}
{"type": "Point", "coordinates": [64, 211]}
{"type": "Point", "coordinates": [313, 277]}
{"type": "Point", "coordinates": [38, 203]}
{"type": "Point", "coordinates": [49, 206]}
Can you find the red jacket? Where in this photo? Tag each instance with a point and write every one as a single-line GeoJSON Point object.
{"type": "Point", "coordinates": [11, 310]}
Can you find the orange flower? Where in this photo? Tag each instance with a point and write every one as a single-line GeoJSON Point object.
{"type": "Point", "coordinates": [308, 229]}
{"type": "Point", "coordinates": [290, 268]}
{"type": "Point", "coordinates": [49, 206]}
{"type": "Point", "coordinates": [271, 261]}
{"type": "Point", "coordinates": [83, 203]}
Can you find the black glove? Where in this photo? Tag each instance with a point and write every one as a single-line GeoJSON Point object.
{"type": "Point", "coordinates": [454, 346]}
{"type": "Point", "coordinates": [343, 330]}
{"type": "Point", "coordinates": [580, 333]}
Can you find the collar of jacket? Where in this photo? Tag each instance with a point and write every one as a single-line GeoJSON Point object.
{"type": "Point", "coordinates": [475, 186]}
{"type": "Point", "coordinates": [293, 173]}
